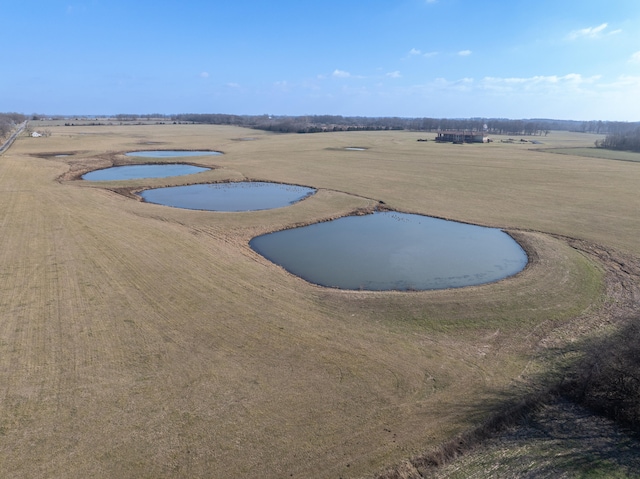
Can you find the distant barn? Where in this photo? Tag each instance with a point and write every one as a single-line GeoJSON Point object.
{"type": "Point", "coordinates": [462, 136]}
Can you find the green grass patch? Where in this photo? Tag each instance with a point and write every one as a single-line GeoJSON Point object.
{"type": "Point", "coordinates": [602, 153]}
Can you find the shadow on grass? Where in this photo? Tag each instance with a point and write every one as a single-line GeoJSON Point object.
{"type": "Point", "coordinates": [581, 422]}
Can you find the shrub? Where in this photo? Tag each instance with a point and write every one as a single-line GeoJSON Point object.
{"type": "Point", "coordinates": [608, 379]}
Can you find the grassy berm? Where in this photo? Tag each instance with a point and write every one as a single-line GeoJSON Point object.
{"type": "Point", "coordinates": [142, 341]}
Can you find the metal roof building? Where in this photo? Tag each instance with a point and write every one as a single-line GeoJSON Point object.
{"type": "Point", "coordinates": [462, 136]}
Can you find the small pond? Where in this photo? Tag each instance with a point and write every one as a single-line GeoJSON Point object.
{"type": "Point", "coordinates": [135, 172]}
{"type": "Point", "coordinates": [240, 196]}
{"type": "Point", "coordinates": [171, 153]}
{"type": "Point", "coordinates": [394, 251]}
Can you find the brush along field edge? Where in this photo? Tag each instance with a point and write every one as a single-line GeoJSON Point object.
{"type": "Point", "coordinates": [143, 341]}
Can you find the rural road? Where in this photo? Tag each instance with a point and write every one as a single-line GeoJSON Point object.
{"type": "Point", "coordinates": [15, 134]}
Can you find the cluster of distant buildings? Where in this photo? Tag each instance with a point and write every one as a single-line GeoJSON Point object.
{"type": "Point", "coordinates": [462, 136]}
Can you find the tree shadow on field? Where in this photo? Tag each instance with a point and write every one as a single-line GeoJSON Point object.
{"type": "Point", "coordinates": [559, 439]}
{"type": "Point", "coordinates": [579, 422]}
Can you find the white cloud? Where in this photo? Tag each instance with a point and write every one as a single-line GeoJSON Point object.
{"type": "Point", "coordinates": [414, 52]}
{"type": "Point", "coordinates": [539, 82]}
{"type": "Point", "coordinates": [464, 53]}
{"type": "Point", "coordinates": [341, 74]}
{"type": "Point", "coordinates": [463, 84]}
{"type": "Point", "coordinates": [591, 32]}
{"type": "Point", "coordinates": [565, 96]}
{"type": "Point", "coordinates": [204, 75]}
{"type": "Point", "coordinates": [635, 58]}
{"type": "Point", "coordinates": [626, 82]}
{"type": "Point", "coordinates": [395, 74]}
{"type": "Point", "coordinates": [233, 85]}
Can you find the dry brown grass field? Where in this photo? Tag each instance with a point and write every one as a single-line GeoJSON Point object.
{"type": "Point", "coordinates": [143, 341]}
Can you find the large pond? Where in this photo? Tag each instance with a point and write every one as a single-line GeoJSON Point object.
{"type": "Point", "coordinates": [240, 196]}
{"type": "Point", "coordinates": [394, 251]}
{"type": "Point", "coordinates": [134, 172]}
{"type": "Point", "coordinates": [172, 153]}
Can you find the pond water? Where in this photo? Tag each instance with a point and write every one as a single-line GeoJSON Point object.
{"type": "Point", "coordinates": [394, 251]}
{"type": "Point", "coordinates": [171, 153]}
{"type": "Point", "coordinates": [240, 196]}
{"type": "Point", "coordinates": [135, 172]}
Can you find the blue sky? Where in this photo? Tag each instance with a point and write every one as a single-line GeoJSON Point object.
{"type": "Point", "coordinates": [564, 59]}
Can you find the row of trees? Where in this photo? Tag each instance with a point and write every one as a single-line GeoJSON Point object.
{"type": "Point", "coordinates": [8, 121]}
{"type": "Point", "coordinates": [147, 116]}
{"type": "Point", "coordinates": [607, 127]}
{"type": "Point", "coordinates": [627, 141]}
{"type": "Point", "coordinates": [321, 123]}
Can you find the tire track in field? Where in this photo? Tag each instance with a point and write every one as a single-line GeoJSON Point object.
{"type": "Point", "coordinates": [57, 298]}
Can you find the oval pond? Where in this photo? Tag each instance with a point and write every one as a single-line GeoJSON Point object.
{"type": "Point", "coordinates": [394, 251]}
{"type": "Point", "coordinates": [136, 172]}
{"type": "Point", "coordinates": [172, 153]}
{"type": "Point", "coordinates": [240, 196]}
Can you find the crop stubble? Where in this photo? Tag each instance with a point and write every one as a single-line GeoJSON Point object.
{"type": "Point", "coordinates": [144, 341]}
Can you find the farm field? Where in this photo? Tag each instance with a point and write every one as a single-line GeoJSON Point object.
{"type": "Point", "coordinates": [138, 340]}
{"type": "Point", "coordinates": [598, 153]}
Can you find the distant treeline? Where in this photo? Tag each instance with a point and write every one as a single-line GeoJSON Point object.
{"type": "Point", "coordinates": [8, 121]}
{"type": "Point", "coordinates": [327, 123]}
{"type": "Point", "coordinates": [627, 141]}
{"type": "Point", "coordinates": [323, 123]}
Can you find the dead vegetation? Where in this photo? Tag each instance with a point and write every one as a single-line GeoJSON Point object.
{"type": "Point", "coordinates": [607, 379]}
{"type": "Point", "coordinates": [144, 341]}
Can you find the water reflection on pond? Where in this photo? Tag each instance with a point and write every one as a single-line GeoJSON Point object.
{"type": "Point", "coordinates": [240, 196]}
{"type": "Point", "coordinates": [172, 153]}
{"type": "Point", "coordinates": [394, 251]}
{"type": "Point", "coordinates": [134, 172]}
